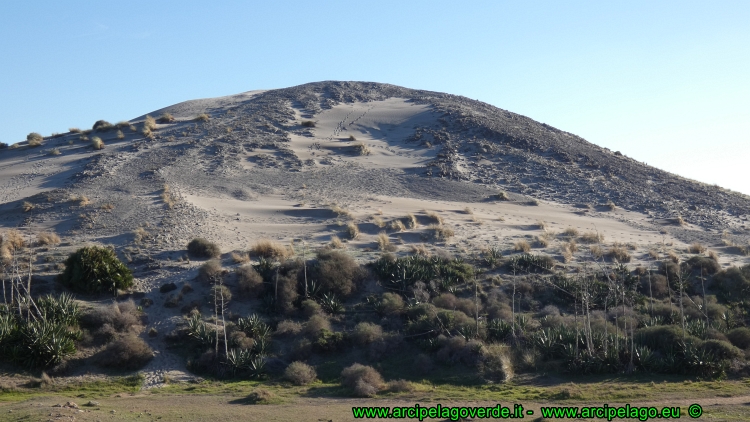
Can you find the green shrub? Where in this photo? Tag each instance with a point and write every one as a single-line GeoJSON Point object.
{"type": "Point", "coordinates": [707, 265]}
{"type": "Point", "coordinates": [308, 123]}
{"type": "Point", "coordinates": [363, 381]}
{"type": "Point", "coordinates": [202, 248]}
{"type": "Point", "coordinates": [390, 304]}
{"type": "Point", "coordinates": [664, 338]}
{"type": "Point", "coordinates": [720, 349]}
{"type": "Point", "coordinates": [733, 284]}
{"type": "Point", "coordinates": [300, 373]}
{"type": "Point", "coordinates": [3, 145]}
{"type": "Point", "coordinates": [740, 337]}
{"type": "Point", "coordinates": [94, 269]}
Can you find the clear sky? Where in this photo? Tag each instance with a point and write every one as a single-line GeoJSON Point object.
{"type": "Point", "coordinates": [664, 82]}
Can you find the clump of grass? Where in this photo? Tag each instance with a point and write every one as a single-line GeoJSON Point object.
{"type": "Point", "coordinates": [202, 248]}
{"type": "Point", "coordinates": [397, 225]}
{"type": "Point", "coordinates": [592, 237]}
{"type": "Point", "coordinates": [468, 211]}
{"type": "Point", "coordinates": [434, 217]}
{"type": "Point", "coordinates": [54, 151]}
{"type": "Point", "coordinates": [107, 207]}
{"type": "Point", "coordinates": [308, 123]}
{"type": "Point", "coordinates": [140, 234]}
{"type": "Point", "coordinates": [361, 149]}
{"type": "Point", "coordinates": [619, 254]}
{"type": "Point", "coordinates": [420, 250]}
{"type": "Point", "coordinates": [149, 123]}
{"type": "Point", "coordinates": [521, 246]}
{"type": "Point", "coordinates": [541, 225]}
{"type": "Point", "coordinates": [596, 251]}
{"type": "Point", "coordinates": [610, 205]}
{"type": "Point", "coordinates": [411, 221]}
{"type": "Point", "coordinates": [500, 196]}
{"type": "Point", "coordinates": [341, 212]}
{"type": "Point", "coordinates": [697, 248]}
{"type": "Point", "coordinates": [210, 271]}
{"type": "Point", "coordinates": [673, 257]}
{"type": "Point", "coordinates": [336, 242]}
{"type": "Point", "coordinates": [166, 196]}
{"type": "Point", "coordinates": [203, 117]}
{"type": "Point", "coordinates": [166, 118]}
{"type": "Point", "coordinates": [122, 124]}
{"type": "Point", "coordinates": [34, 139]}
{"type": "Point", "coordinates": [713, 255]}
{"type": "Point", "coordinates": [352, 230]}
{"type": "Point", "coordinates": [384, 243]}
{"type": "Point", "coordinates": [378, 221]}
{"type": "Point", "coordinates": [568, 249]}
{"type": "Point", "coordinates": [83, 138]}
{"type": "Point", "coordinates": [570, 232]}
{"type": "Point", "coordinates": [74, 130]}
{"type": "Point", "coordinates": [680, 221]}
{"type": "Point", "coordinates": [542, 241]}
{"type": "Point", "coordinates": [270, 249]}
{"type": "Point", "coordinates": [83, 200]}
{"type": "Point", "coordinates": [97, 143]}
{"type": "Point", "coordinates": [440, 232]}
{"type": "Point", "coordinates": [240, 257]}
{"type": "Point", "coordinates": [27, 206]}
{"type": "Point", "coordinates": [47, 238]}
{"type": "Point", "coordinates": [120, 135]}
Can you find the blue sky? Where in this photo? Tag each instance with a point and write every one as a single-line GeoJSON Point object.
{"type": "Point", "coordinates": [665, 82]}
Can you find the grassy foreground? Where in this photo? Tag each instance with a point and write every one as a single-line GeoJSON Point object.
{"type": "Point", "coordinates": [123, 399]}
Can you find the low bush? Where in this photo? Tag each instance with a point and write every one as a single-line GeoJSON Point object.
{"type": "Point", "coordinates": [97, 143]}
{"type": "Point", "coordinates": [366, 333]}
{"type": "Point", "coordinates": [363, 381]}
{"type": "Point", "coordinates": [47, 238]}
{"type": "Point", "coordinates": [202, 248]}
{"type": "Point", "coordinates": [210, 272]}
{"type": "Point", "coordinates": [102, 126]}
{"type": "Point", "coordinates": [129, 352]}
{"type": "Point", "coordinates": [123, 317]}
{"type": "Point", "coordinates": [619, 254]}
{"type": "Point", "coordinates": [495, 363]}
{"type": "Point", "coordinates": [308, 123]}
{"type": "Point", "coordinates": [740, 337]}
{"type": "Point", "coordinates": [300, 373]}
{"type": "Point", "coordinates": [336, 272]}
{"type": "Point", "coordinates": [315, 325]}
{"type": "Point", "coordinates": [34, 139]}
{"type": "Point", "coordinates": [733, 284]}
{"type": "Point", "coordinates": [249, 282]}
{"type": "Point", "coordinates": [270, 249]}
{"type": "Point", "coordinates": [390, 304]}
{"type": "Point", "coordinates": [95, 269]}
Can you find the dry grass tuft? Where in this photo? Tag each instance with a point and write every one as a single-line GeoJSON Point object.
{"type": "Point", "coordinates": [434, 217]}
{"type": "Point", "coordinates": [542, 242]}
{"type": "Point", "coordinates": [120, 135]}
{"type": "Point", "coordinates": [74, 130]}
{"type": "Point", "coordinates": [34, 139]}
{"type": "Point", "coordinates": [696, 248]}
{"type": "Point", "coordinates": [570, 232]}
{"type": "Point", "coordinates": [361, 149]}
{"type": "Point", "coordinates": [541, 225]}
{"type": "Point", "coordinates": [384, 243]}
{"type": "Point", "coordinates": [596, 251]}
{"type": "Point", "coordinates": [166, 118]}
{"type": "Point", "coordinates": [713, 255]}
{"type": "Point", "coordinates": [440, 232]}
{"type": "Point", "coordinates": [341, 212]}
{"type": "Point", "coordinates": [521, 246]}
{"type": "Point", "coordinates": [673, 257]}
{"type": "Point", "coordinates": [352, 230]}
{"type": "Point", "coordinates": [300, 373]}
{"type": "Point", "coordinates": [240, 257]}
{"type": "Point", "coordinates": [140, 234]}
{"type": "Point", "coordinates": [54, 152]}
{"type": "Point", "coordinates": [567, 250]}
{"type": "Point", "coordinates": [268, 248]}
{"type": "Point", "coordinates": [420, 250]}
{"type": "Point", "coordinates": [14, 239]}
{"type": "Point", "coordinates": [592, 237]}
{"type": "Point", "coordinates": [411, 221]}
{"type": "Point", "coordinates": [336, 242]}
{"type": "Point", "coordinates": [363, 380]}
{"type": "Point", "coordinates": [653, 254]}
{"type": "Point", "coordinates": [97, 143]}
{"type": "Point", "coordinates": [149, 123]}
{"type": "Point", "coordinates": [47, 238]}
{"type": "Point", "coordinates": [203, 117]}
{"type": "Point", "coordinates": [610, 205]}
{"type": "Point", "coordinates": [397, 225]}
{"type": "Point", "coordinates": [27, 206]}
{"type": "Point", "coordinates": [468, 211]}
{"type": "Point", "coordinates": [619, 254]}
{"type": "Point", "coordinates": [378, 221]}
{"type": "Point", "coordinates": [166, 196]}
{"type": "Point", "coordinates": [107, 207]}
{"type": "Point", "coordinates": [500, 196]}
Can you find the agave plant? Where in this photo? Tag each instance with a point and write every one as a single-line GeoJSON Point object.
{"type": "Point", "coordinates": [498, 330]}
{"type": "Point", "coordinates": [45, 343]}
{"type": "Point", "coordinates": [331, 304]}
{"type": "Point", "coordinates": [200, 331]}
